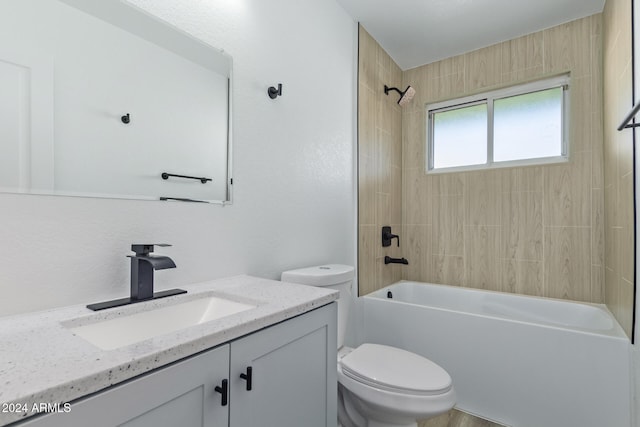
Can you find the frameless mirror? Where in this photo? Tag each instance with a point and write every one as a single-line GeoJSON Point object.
{"type": "Point", "coordinates": [99, 99]}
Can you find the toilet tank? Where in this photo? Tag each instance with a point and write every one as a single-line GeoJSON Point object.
{"type": "Point", "coordinates": [332, 276]}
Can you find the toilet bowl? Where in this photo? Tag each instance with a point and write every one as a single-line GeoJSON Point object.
{"type": "Point", "coordinates": [378, 385]}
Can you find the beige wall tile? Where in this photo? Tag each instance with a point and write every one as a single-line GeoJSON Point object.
{"type": "Point", "coordinates": [383, 154]}
{"type": "Point", "coordinates": [619, 251]}
{"type": "Point", "coordinates": [483, 68]}
{"type": "Point", "coordinates": [521, 277]}
{"type": "Point", "coordinates": [568, 47]}
{"type": "Point", "coordinates": [598, 226]}
{"type": "Point", "coordinates": [529, 178]}
{"type": "Point", "coordinates": [482, 264]}
{"type": "Point", "coordinates": [448, 270]}
{"type": "Point", "coordinates": [366, 121]}
{"type": "Point", "coordinates": [541, 226]}
{"type": "Point", "coordinates": [414, 137]}
{"type": "Point", "coordinates": [383, 213]}
{"type": "Point", "coordinates": [451, 66]}
{"type": "Point", "coordinates": [597, 152]}
{"type": "Point", "coordinates": [483, 198]}
{"type": "Point", "coordinates": [417, 197]}
{"type": "Point", "coordinates": [567, 192]}
{"type": "Point", "coordinates": [368, 61]}
{"type": "Point", "coordinates": [597, 284]}
{"type": "Point", "coordinates": [417, 242]}
{"type": "Point", "coordinates": [581, 105]}
{"type": "Point", "coordinates": [522, 228]}
{"type": "Point", "coordinates": [612, 245]}
{"type": "Point", "coordinates": [627, 244]}
{"type": "Point", "coordinates": [379, 163]}
{"type": "Point", "coordinates": [396, 195]}
{"type": "Point", "coordinates": [569, 276]}
{"type": "Point", "coordinates": [626, 306]}
{"type": "Point", "coordinates": [366, 190]}
{"type": "Point", "coordinates": [367, 244]}
{"type": "Point", "coordinates": [522, 54]}
{"type": "Point", "coordinates": [448, 217]}
{"type": "Point", "coordinates": [448, 184]}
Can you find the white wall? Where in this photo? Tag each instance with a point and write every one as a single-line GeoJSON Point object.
{"type": "Point", "coordinates": [293, 171]}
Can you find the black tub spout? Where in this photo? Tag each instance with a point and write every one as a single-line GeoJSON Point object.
{"type": "Point", "coordinates": [389, 260]}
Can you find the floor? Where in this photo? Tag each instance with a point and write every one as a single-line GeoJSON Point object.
{"type": "Point", "coordinates": [455, 418]}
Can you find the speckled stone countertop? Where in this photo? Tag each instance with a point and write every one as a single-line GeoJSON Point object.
{"type": "Point", "coordinates": [41, 361]}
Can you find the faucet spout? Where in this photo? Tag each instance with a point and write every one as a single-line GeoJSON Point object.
{"type": "Point", "coordinates": [158, 262]}
{"type": "Point", "coordinates": [142, 266]}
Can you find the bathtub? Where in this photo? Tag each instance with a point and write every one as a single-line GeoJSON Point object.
{"type": "Point", "coordinates": [517, 360]}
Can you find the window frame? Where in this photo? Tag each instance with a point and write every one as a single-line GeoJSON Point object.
{"type": "Point", "coordinates": [488, 98]}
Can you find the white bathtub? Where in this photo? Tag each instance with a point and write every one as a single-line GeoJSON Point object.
{"type": "Point", "coordinates": [517, 360]}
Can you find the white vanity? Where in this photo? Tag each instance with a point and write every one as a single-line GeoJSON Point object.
{"type": "Point", "coordinates": [273, 364]}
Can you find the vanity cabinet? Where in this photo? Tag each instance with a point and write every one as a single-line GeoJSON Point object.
{"type": "Point", "coordinates": [283, 375]}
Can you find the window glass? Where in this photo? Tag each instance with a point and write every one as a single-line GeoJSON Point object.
{"type": "Point", "coordinates": [512, 126]}
{"type": "Point", "coordinates": [460, 137]}
{"type": "Point", "coordinates": [528, 126]}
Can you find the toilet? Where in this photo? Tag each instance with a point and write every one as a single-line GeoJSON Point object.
{"type": "Point", "coordinates": [378, 385]}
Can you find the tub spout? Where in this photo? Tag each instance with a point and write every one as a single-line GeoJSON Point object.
{"type": "Point", "coordinates": [389, 260]}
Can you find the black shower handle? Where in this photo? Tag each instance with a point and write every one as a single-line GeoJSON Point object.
{"type": "Point", "coordinates": [387, 236]}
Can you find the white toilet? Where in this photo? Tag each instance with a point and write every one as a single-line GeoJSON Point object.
{"type": "Point", "coordinates": [378, 385]}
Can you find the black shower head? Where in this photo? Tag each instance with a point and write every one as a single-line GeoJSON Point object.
{"type": "Point", "coordinates": [405, 96]}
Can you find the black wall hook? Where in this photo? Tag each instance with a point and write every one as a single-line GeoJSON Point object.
{"type": "Point", "coordinates": [126, 119]}
{"type": "Point", "coordinates": [273, 92]}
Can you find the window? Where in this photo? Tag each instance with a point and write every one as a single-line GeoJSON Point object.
{"type": "Point", "coordinates": [519, 125]}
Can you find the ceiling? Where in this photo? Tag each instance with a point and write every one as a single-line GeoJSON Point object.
{"type": "Point", "coordinates": [418, 32]}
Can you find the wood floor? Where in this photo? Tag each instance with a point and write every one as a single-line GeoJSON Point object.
{"type": "Point", "coordinates": [455, 418]}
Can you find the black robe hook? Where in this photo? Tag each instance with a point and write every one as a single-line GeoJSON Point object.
{"type": "Point", "coordinates": [273, 92]}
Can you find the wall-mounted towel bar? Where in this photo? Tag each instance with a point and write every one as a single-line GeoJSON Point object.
{"type": "Point", "coordinates": [181, 199]}
{"type": "Point", "coordinates": [625, 123]}
{"type": "Point", "coordinates": [166, 175]}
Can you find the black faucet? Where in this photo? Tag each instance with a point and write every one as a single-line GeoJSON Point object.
{"type": "Point", "coordinates": [142, 266]}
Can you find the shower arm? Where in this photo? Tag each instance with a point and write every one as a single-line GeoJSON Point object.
{"type": "Point", "coordinates": [387, 89]}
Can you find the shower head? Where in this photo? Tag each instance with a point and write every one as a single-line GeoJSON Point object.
{"type": "Point", "coordinates": [405, 97]}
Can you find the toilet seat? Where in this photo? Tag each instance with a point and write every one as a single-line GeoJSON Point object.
{"type": "Point", "coordinates": [395, 370]}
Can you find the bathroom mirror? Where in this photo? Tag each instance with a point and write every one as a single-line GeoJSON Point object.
{"type": "Point", "coordinates": [100, 99]}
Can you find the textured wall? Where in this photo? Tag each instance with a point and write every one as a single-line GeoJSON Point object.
{"type": "Point", "coordinates": [618, 162]}
{"type": "Point", "coordinates": [379, 164]}
{"type": "Point", "coordinates": [293, 171]}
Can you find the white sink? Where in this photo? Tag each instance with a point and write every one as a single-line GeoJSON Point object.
{"type": "Point", "coordinates": [129, 329]}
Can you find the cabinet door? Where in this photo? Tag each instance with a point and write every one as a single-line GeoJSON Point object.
{"type": "Point", "coordinates": [293, 373]}
{"type": "Point", "coordinates": [182, 395]}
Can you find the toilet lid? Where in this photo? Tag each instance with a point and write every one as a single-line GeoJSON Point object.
{"type": "Point", "coordinates": [395, 369]}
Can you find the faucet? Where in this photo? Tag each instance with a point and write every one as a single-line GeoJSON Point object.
{"type": "Point", "coordinates": [142, 266]}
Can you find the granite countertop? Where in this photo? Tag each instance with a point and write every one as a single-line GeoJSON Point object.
{"type": "Point", "coordinates": [41, 361]}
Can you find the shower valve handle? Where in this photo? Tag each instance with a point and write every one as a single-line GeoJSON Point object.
{"type": "Point", "coordinates": [387, 236]}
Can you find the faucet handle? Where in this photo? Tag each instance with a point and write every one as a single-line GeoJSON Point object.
{"type": "Point", "coordinates": [146, 248]}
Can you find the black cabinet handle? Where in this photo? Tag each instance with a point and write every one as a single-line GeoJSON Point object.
{"type": "Point", "coordinates": [224, 391]}
{"type": "Point", "coordinates": [248, 377]}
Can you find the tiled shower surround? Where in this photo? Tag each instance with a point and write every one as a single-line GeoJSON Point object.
{"type": "Point", "coordinates": [535, 230]}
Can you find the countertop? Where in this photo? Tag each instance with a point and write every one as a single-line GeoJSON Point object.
{"type": "Point", "coordinates": [41, 361]}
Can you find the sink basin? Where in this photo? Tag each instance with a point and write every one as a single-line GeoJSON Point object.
{"type": "Point", "coordinates": [129, 329]}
